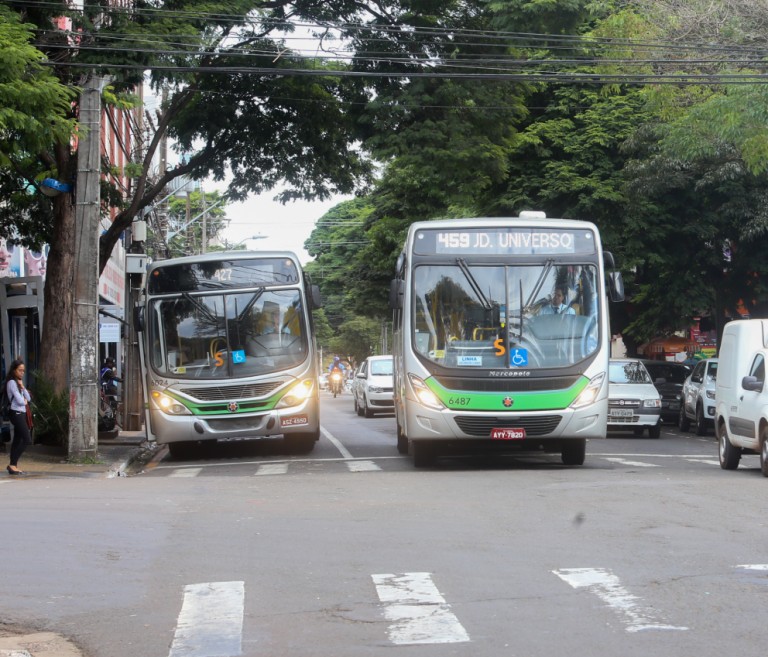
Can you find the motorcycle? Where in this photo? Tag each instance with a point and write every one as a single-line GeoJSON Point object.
{"type": "Point", "coordinates": [107, 413]}
{"type": "Point", "coordinates": [336, 381]}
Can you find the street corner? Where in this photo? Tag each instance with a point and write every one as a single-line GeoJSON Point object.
{"type": "Point", "coordinates": [15, 642]}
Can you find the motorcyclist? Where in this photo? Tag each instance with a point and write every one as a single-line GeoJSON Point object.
{"type": "Point", "coordinates": [336, 366]}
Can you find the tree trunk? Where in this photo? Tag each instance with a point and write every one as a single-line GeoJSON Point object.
{"type": "Point", "coordinates": [59, 284]}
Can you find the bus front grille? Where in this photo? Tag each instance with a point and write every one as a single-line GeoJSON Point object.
{"type": "Point", "coordinates": [231, 393]}
{"type": "Point", "coordinates": [539, 425]}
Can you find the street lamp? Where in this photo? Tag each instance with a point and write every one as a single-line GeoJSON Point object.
{"type": "Point", "coordinates": [247, 239]}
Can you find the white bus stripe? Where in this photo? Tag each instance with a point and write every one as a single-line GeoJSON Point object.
{"type": "Point", "coordinates": [417, 611]}
{"type": "Point", "coordinates": [186, 472]}
{"type": "Point", "coordinates": [606, 586]}
{"type": "Point", "coordinates": [272, 469]}
{"type": "Point", "coordinates": [210, 623]}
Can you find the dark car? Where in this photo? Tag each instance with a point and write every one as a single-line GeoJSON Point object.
{"type": "Point", "coordinates": [668, 377]}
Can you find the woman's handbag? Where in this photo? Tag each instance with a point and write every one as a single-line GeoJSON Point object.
{"type": "Point", "coordinates": [30, 423]}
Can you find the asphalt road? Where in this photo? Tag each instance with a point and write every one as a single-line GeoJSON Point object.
{"type": "Point", "coordinates": [649, 548]}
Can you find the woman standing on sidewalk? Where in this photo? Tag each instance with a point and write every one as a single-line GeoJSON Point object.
{"type": "Point", "coordinates": [19, 399]}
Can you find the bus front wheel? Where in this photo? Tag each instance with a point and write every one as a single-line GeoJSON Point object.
{"type": "Point", "coordinates": [574, 451]}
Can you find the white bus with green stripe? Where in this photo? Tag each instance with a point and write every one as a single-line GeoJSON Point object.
{"type": "Point", "coordinates": [228, 350]}
{"type": "Point", "coordinates": [485, 356]}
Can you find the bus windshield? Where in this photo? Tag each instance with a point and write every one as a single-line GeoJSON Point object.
{"type": "Point", "coordinates": [470, 315]}
{"type": "Point", "coordinates": [222, 336]}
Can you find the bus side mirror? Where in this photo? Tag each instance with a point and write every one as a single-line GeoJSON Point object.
{"type": "Point", "coordinates": [396, 289]}
{"type": "Point", "coordinates": [317, 299]}
{"type": "Point", "coordinates": [138, 319]}
{"type": "Point", "coordinates": [615, 286]}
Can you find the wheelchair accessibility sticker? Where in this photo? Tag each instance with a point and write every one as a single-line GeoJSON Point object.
{"type": "Point", "coordinates": [518, 358]}
{"type": "Point", "coordinates": [238, 356]}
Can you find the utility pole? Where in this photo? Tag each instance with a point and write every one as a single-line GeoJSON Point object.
{"type": "Point", "coordinates": [84, 338]}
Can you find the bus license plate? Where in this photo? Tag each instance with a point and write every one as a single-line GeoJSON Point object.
{"type": "Point", "coordinates": [507, 434]}
{"type": "Point", "coordinates": [620, 412]}
{"type": "Point", "coordinates": [294, 421]}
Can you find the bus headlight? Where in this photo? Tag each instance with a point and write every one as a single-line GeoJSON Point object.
{"type": "Point", "coordinates": [425, 396]}
{"type": "Point", "coordinates": [590, 393]}
{"type": "Point", "coordinates": [168, 404]}
{"type": "Point", "coordinates": [298, 394]}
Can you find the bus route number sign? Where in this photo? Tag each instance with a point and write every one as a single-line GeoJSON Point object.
{"type": "Point", "coordinates": [504, 241]}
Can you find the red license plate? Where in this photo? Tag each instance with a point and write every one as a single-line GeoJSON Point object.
{"type": "Point", "coordinates": [508, 434]}
{"type": "Point", "coordinates": [294, 421]}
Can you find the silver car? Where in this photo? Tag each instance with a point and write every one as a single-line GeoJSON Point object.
{"type": "Point", "coordinates": [372, 390]}
{"type": "Point", "coordinates": [698, 398]}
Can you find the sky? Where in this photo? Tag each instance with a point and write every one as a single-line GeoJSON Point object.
{"type": "Point", "coordinates": [283, 227]}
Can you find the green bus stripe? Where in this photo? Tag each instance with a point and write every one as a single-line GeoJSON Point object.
{"type": "Point", "coordinates": [222, 408]}
{"type": "Point", "coordinates": [538, 400]}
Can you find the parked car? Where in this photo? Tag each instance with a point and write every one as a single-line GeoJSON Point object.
{"type": "Point", "coordinates": [323, 381]}
{"type": "Point", "coordinates": [633, 401]}
{"type": "Point", "coordinates": [668, 377]}
{"type": "Point", "coordinates": [741, 396]}
{"type": "Point", "coordinates": [372, 390]}
{"type": "Point", "coordinates": [698, 398]}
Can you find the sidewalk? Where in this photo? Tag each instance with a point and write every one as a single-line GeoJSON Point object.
{"type": "Point", "coordinates": [116, 452]}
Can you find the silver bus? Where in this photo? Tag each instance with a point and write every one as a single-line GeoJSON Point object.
{"type": "Point", "coordinates": [501, 336]}
{"type": "Point", "coordinates": [228, 351]}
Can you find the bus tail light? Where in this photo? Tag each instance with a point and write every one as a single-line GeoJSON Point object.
{"type": "Point", "coordinates": [168, 404]}
{"type": "Point", "coordinates": [590, 393]}
{"type": "Point", "coordinates": [298, 394]}
{"type": "Point", "coordinates": [425, 396]}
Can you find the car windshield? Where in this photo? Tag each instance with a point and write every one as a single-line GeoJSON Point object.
{"type": "Point", "coordinates": [381, 367]}
{"type": "Point", "coordinates": [628, 371]}
{"type": "Point", "coordinates": [671, 373]}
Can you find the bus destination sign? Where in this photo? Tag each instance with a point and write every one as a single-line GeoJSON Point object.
{"type": "Point", "coordinates": [504, 241]}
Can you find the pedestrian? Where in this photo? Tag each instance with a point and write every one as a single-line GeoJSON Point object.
{"type": "Point", "coordinates": [20, 412]}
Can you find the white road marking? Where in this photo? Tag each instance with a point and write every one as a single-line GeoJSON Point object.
{"type": "Point", "coordinates": [705, 461]}
{"type": "Point", "coordinates": [603, 583]}
{"type": "Point", "coordinates": [336, 443]}
{"type": "Point", "coordinates": [362, 466]}
{"type": "Point", "coordinates": [753, 566]}
{"type": "Point", "coordinates": [417, 611]}
{"type": "Point", "coordinates": [210, 623]}
{"type": "Point", "coordinates": [186, 472]}
{"type": "Point", "coordinates": [634, 464]}
{"type": "Point", "coordinates": [272, 469]}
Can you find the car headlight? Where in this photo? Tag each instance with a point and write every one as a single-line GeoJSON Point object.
{"type": "Point", "coordinates": [423, 394]}
{"type": "Point", "coordinates": [652, 403]}
{"type": "Point", "coordinates": [710, 394]}
{"type": "Point", "coordinates": [590, 393]}
{"type": "Point", "coordinates": [376, 389]}
{"type": "Point", "coordinates": [297, 395]}
{"type": "Point", "coordinates": [168, 404]}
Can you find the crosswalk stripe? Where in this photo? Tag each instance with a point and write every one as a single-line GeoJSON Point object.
{"type": "Point", "coordinates": [186, 472]}
{"type": "Point", "coordinates": [603, 583]}
{"type": "Point", "coordinates": [362, 466]}
{"type": "Point", "coordinates": [634, 464]}
{"type": "Point", "coordinates": [704, 461]}
{"type": "Point", "coordinates": [416, 610]}
{"type": "Point", "coordinates": [272, 469]}
{"type": "Point", "coordinates": [210, 623]}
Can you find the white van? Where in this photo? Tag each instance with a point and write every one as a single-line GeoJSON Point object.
{"type": "Point", "coordinates": [741, 396]}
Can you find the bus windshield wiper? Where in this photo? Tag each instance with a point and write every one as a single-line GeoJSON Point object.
{"type": "Point", "coordinates": [201, 307]}
{"type": "Point", "coordinates": [473, 283]}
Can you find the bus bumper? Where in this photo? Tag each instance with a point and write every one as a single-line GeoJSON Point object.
{"type": "Point", "coordinates": [529, 429]}
{"type": "Point", "coordinates": [295, 421]}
